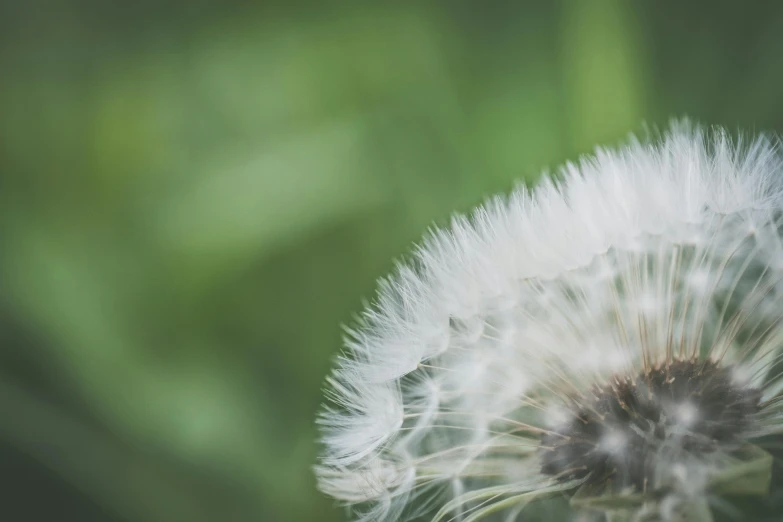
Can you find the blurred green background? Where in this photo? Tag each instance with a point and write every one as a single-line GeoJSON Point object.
{"type": "Point", "coordinates": [194, 196]}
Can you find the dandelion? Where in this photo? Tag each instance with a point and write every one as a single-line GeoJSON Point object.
{"type": "Point", "coordinates": [612, 337]}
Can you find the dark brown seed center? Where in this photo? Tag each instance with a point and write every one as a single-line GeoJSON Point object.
{"type": "Point", "coordinates": [619, 431]}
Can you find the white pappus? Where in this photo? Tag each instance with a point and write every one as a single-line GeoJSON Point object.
{"type": "Point", "coordinates": [613, 333]}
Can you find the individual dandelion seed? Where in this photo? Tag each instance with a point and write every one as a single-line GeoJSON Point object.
{"type": "Point", "coordinates": [613, 336]}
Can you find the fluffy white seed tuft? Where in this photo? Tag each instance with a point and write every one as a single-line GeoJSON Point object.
{"type": "Point", "coordinates": [495, 333]}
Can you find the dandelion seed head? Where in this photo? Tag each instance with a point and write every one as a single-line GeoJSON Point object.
{"type": "Point", "coordinates": [616, 328]}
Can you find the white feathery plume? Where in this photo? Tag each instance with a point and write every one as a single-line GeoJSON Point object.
{"type": "Point", "coordinates": [617, 329]}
